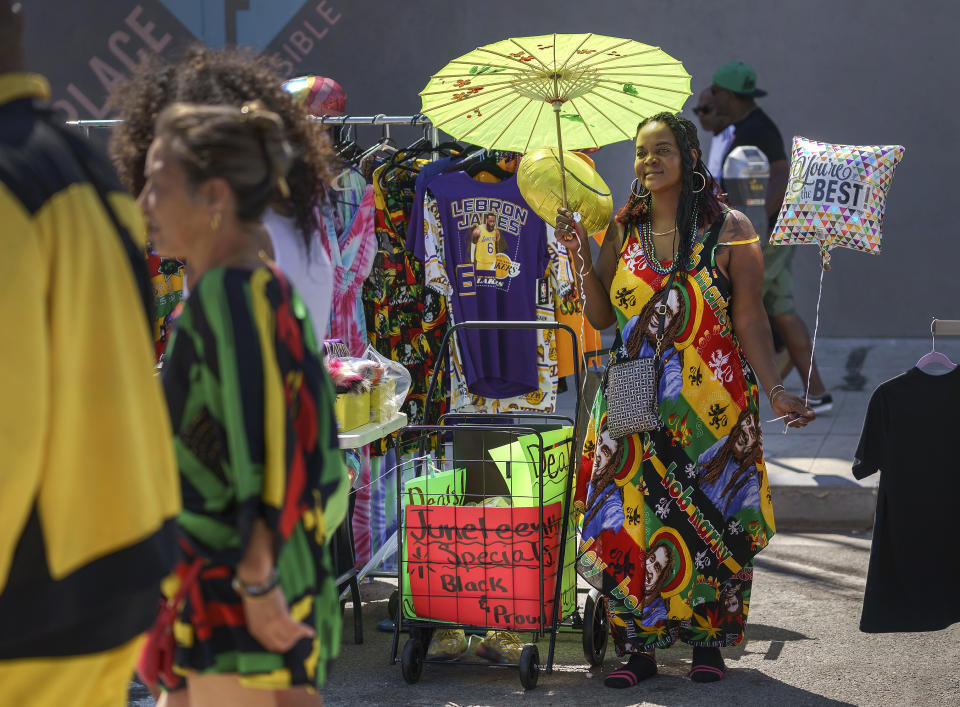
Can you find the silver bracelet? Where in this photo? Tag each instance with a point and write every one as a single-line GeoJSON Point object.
{"type": "Point", "coordinates": [254, 591]}
{"type": "Point", "coordinates": [778, 388]}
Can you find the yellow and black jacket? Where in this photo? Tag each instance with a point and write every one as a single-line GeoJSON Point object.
{"type": "Point", "coordinates": [88, 483]}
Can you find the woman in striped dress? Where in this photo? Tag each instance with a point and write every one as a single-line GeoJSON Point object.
{"type": "Point", "coordinates": [264, 485]}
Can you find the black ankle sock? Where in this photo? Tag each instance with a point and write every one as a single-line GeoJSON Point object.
{"type": "Point", "coordinates": [708, 665]}
{"type": "Point", "coordinates": [641, 665]}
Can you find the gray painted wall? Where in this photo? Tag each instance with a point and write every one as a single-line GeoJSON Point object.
{"type": "Point", "coordinates": [845, 71]}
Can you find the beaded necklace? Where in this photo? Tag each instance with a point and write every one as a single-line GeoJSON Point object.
{"type": "Point", "coordinates": [649, 251]}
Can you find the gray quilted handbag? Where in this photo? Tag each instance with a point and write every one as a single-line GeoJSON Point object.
{"type": "Point", "coordinates": [632, 397]}
{"type": "Point", "coordinates": [631, 387]}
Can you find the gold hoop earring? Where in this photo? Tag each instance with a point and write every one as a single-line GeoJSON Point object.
{"type": "Point", "coordinates": [704, 185]}
{"type": "Point", "coordinates": [215, 221]}
{"type": "Point", "coordinates": [633, 189]}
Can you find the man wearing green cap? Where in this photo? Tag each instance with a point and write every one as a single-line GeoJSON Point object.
{"type": "Point", "coordinates": [734, 90]}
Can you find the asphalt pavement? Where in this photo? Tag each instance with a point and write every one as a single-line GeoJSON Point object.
{"type": "Point", "coordinates": [803, 644]}
{"type": "Point", "coordinates": [803, 647]}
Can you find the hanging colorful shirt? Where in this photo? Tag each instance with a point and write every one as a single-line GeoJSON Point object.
{"type": "Point", "coordinates": [494, 250]}
{"type": "Point", "coordinates": [406, 320]}
{"type": "Point", "coordinates": [352, 261]}
{"type": "Point", "coordinates": [568, 306]}
{"type": "Point", "coordinates": [461, 398]}
{"type": "Point", "coordinates": [166, 276]}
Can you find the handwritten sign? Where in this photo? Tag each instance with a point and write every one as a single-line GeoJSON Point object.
{"type": "Point", "coordinates": [440, 488]}
{"type": "Point", "coordinates": [519, 464]}
{"type": "Point", "coordinates": [480, 566]}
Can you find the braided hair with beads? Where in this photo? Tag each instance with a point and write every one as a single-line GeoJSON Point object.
{"type": "Point", "coordinates": [703, 205]}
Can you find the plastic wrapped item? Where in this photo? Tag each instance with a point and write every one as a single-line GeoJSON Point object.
{"type": "Point", "coordinates": [354, 375]}
{"type": "Point", "coordinates": [390, 389]}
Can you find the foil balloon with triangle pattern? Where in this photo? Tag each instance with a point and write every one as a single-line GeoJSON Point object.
{"type": "Point", "coordinates": [836, 196]}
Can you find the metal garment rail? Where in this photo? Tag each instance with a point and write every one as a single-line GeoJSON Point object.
{"type": "Point", "coordinates": [380, 119]}
{"type": "Point", "coordinates": [945, 327]}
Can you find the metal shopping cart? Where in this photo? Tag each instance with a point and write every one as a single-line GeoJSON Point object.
{"type": "Point", "coordinates": [486, 539]}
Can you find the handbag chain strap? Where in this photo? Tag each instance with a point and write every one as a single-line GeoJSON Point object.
{"type": "Point", "coordinates": [661, 309]}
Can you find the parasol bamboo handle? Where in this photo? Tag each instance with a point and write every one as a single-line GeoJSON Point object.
{"type": "Point", "coordinates": [563, 171]}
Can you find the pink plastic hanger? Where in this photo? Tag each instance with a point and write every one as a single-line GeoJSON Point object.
{"type": "Point", "coordinates": [935, 356]}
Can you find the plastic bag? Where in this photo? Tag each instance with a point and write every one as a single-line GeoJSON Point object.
{"type": "Point", "coordinates": [390, 391]}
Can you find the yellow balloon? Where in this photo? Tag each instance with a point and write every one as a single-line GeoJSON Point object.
{"type": "Point", "coordinates": [587, 193]}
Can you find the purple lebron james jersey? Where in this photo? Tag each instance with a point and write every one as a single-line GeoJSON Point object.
{"type": "Point", "coordinates": [494, 251]}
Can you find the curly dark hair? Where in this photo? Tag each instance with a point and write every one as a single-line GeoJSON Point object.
{"type": "Point", "coordinates": [220, 77]}
{"type": "Point", "coordinates": [637, 209]}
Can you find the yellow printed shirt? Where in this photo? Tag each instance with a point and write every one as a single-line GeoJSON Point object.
{"type": "Point", "coordinates": [568, 307]}
{"type": "Point", "coordinates": [88, 483]}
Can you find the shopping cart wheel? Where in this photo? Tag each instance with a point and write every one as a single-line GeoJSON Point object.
{"type": "Point", "coordinates": [595, 628]}
{"type": "Point", "coordinates": [424, 635]}
{"type": "Point", "coordinates": [411, 661]}
{"type": "Point", "coordinates": [393, 605]}
{"type": "Point", "coordinates": [529, 666]}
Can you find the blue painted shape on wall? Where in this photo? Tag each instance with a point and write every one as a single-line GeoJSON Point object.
{"type": "Point", "coordinates": [260, 25]}
{"type": "Point", "coordinates": [256, 26]}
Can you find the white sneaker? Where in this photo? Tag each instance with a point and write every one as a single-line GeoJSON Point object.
{"type": "Point", "coordinates": [821, 404]}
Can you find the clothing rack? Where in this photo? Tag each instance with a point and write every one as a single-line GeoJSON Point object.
{"type": "Point", "coordinates": [418, 119]}
{"type": "Point", "coordinates": [945, 327]}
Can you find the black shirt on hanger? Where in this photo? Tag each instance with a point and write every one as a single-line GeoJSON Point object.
{"type": "Point", "coordinates": [910, 436]}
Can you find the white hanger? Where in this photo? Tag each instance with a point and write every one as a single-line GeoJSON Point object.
{"type": "Point", "coordinates": [340, 182]}
{"type": "Point", "coordinates": [935, 356]}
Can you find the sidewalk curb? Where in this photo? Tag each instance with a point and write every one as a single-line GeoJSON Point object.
{"type": "Point", "coordinates": [823, 508]}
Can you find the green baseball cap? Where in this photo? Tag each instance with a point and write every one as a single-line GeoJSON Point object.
{"type": "Point", "coordinates": [738, 77]}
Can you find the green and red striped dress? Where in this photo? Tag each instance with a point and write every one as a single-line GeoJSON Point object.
{"type": "Point", "coordinates": [255, 437]}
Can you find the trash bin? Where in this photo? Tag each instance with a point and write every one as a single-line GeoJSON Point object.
{"type": "Point", "coordinates": [746, 174]}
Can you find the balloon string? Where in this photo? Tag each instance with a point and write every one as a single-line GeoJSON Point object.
{"type": "Point", "coordinates": [813, 344]}
{"type": "Point", "coordinates": [813, 348]}
{"type": "Point", "coordinates": [583, 331]}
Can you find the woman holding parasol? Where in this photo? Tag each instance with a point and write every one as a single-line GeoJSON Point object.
{"type": "Point", "coordinates": [673, 224]}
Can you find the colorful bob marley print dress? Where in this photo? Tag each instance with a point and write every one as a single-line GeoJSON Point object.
{"type": "Point", "coordinates": [673, 518]}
